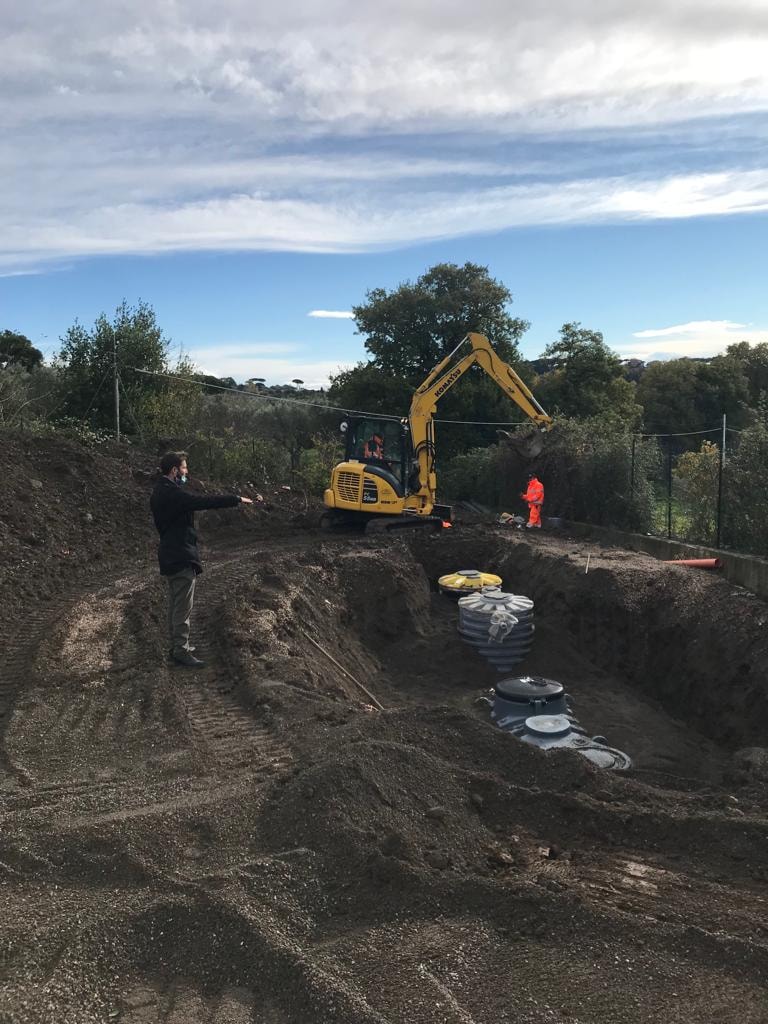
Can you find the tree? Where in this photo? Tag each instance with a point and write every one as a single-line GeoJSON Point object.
{"type": "Point", "coordinates": [291, 427]}
{"type": "Point", "coordinates": [172, 406]}
{"type": "Point", "coordinates": [368, 388]}
{"type": "Point", "coordinates": [696, 473]}
{"type": "Point", "coordinates": [589, 468]}
{"type": "Point", "coordinates": [746, 484]}
{"type": "Point", "coordinates": [86, 362]}
{"type": "Point", "coordinates": [409, 330]}
{"type": "Point", "coordinates": [18, 350]}
{"type": "Point", "coordinates": [752, 361]}
{"type": "Point", "coordinates": [685, 395]}
{"type": "Point", "coordinates": [586, 378]}
{"type": "Point", "coordinates": [26, 394]}
{"type": "Point", "coordinates": [212, 385]}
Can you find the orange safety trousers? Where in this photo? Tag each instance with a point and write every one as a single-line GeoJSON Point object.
{"type": "Point", "coordinates": [534, 515]}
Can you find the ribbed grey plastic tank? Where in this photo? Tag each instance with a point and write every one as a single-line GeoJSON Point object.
{"type": "Point", "coordinates": [499, 625]}
{"type": "Point", "coordinates": [551, 731]}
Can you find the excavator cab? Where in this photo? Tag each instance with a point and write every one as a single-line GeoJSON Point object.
{"type": "Point", "coordinates": [372, 481]}
{"type": "Point", "coordinates": [382, 443]}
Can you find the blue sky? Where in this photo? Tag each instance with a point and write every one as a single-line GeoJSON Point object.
{"type": "Point", "coordinates": [241, 169]}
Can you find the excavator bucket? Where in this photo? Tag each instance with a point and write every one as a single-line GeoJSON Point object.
{"type": "Point", "coordinates": [528, 444]}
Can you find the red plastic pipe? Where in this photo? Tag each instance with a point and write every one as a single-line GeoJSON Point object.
{"type": "Point", "coordinates": [697, 563]}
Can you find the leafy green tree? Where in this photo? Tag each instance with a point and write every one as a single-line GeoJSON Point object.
{"type": "Point", "coordinates": [696, 478]}
{"type": "Point", "coordinates": [18, 350]}
{"type": "Point", "coordinates": [290, 427]}
{"type": "Point", "coordinates": [586, 378]}
{"type": "Point", "coordinates": [752, 361]}
{"type": "Point", "coordinates": [171, 407]}
{"type": "Point", "coordinates": [213, 385]}
{"type": "Point", "coordinates": [586, 467]}
{"type": "Point", "coordinates": [86, 360]}
{"type": "Point", "coordinates": [368, 388]}
{"type": "Point", "coordinates": [684, 395]}
{"type": "Point", "coordinates": [408, 330]}
{"type": "Point", "coordinates": [316, 463]}
{"type": "Point", "coordinates": [746, 484]}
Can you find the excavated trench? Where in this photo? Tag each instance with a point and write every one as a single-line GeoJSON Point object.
{"type": "Point", "coordinates": [257, 843]}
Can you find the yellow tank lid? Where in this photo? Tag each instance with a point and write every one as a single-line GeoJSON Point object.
{"type": "Point", "coordinates": [465, 581]}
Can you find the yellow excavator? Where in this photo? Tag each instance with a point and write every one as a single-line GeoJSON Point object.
{"type": "Point", "coordinates": [387, 480]}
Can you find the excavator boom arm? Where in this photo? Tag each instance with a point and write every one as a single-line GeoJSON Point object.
{"type": "Point", "coordinates": [441, 380]}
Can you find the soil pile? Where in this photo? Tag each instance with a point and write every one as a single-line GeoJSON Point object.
{"type": "Point", "coordinates": [68, 510]}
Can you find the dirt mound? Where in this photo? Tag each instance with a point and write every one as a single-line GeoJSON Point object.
{"type": "Point", "coordinates": [68, 510]}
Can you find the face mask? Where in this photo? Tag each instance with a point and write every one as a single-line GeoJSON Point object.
{"type": "Point", "coordinates": [181, 480]}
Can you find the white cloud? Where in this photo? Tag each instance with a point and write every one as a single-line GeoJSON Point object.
{"type": "Point", "coordinates": [331, 314]}
{"type": "Point", "coordinates": [226, 362]}
{"type": "Point", "coordinates": [696, 338]}
{"type": "Point", "coordinates": [365, 221]}
{"type": "Point", "coordinates": [248, 350]}
{"type": "Point", "coordinates": [605, 63]}
{"type": "Point", "coordinates": [694, 327]}
{"type": "Point", "coordinates": [181, 125]}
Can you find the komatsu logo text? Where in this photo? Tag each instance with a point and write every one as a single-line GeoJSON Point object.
{"type": "Point", "coordinates": [455, 374]}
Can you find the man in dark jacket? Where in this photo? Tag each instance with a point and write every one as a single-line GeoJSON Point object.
{"type": "Point", "coordinates": [173, 510]}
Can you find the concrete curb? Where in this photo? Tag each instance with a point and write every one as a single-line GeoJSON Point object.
{"type": "Point", "coordinates": [746, 571]}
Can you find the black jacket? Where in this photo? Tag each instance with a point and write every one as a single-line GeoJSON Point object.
{"type": "Point", "coordinates": [173, 509]}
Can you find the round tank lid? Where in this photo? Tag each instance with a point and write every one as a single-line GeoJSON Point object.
{"type": "Point", "coordinates": [606, 757]}
{"type": "Point", "coordinates": [548, 725]}
{"type": "Point", "coordinates": [527, 688]}
{"type": "Point", "coordinates": [468, 580]}
{"type": "Point", "coordinates": [490, 598]}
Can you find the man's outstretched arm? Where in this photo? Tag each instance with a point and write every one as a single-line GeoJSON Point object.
{"type": "Point", "coordinates": [199, 502]}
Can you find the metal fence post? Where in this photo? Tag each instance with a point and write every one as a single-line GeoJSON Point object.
{"type": "Point", "coordinates": [669, 488]}
{"type": "Point", "coordinates": [632, 469]}
{"type": "Point", "coordinates": [720, 468]}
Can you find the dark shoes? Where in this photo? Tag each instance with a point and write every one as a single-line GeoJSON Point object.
{"type": "Point", "coordinates": [187, 659]}
{"type": "Point", "coordinates": [190, 648]}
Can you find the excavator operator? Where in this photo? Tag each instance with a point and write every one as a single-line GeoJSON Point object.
{"type": "Point", "coordinates": [374, 447]}
{"type": "Point", "coordinates": [535, 498]}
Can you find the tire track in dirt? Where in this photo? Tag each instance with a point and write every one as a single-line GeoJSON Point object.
{"type": "Point", "coordinates": [220, 724]}
{"type": "Point", "coordinates": [20, 644]}
{"type": "Point", "coordinates": [77, 634]}
{"type": "Point", "coordinates": [17, 652]}
{"type": "Point", "coordinates": [182, 1002]}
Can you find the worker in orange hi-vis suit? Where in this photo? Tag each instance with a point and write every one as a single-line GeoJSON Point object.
{"type": "Point", "coordinates": [535, 498]}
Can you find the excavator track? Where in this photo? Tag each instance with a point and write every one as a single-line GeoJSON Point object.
{"type": "Point", "coordinates": [383, 525]}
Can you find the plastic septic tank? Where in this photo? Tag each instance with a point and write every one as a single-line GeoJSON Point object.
{"type": "Point", "coordinates": [556, 731]}
{"type": "Point", "coordinates": [519, 697]}
{"type": "Point", "coordinates": [467, 581]}
{"type": "Point", "coordinates": [499, 625]}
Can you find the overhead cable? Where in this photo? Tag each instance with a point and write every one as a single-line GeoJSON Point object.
{"type": "Point", "coordinates": [316, 405]}
{"type": "Point", "coordinates": [269, 398]}
{"type": "Point", "coordinates": [688, 433]}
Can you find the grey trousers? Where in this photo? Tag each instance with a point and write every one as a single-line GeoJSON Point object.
{"type": "Point", "coordinates": [181, 596]}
